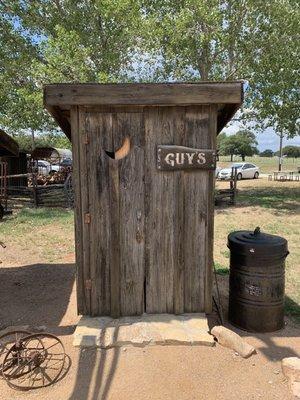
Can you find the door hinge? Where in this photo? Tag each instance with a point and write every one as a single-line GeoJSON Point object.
{"type": "Point", "coordinates": [87, 218]}
{"type": "Point", "coordinates": [88, 284]}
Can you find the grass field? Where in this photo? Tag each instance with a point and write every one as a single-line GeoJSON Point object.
{"type": "Point", "coordinates": [266, 164]}
{"type": "Point", "coordinates": [47, 235]}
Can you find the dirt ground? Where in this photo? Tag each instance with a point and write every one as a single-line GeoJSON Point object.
{"type": "Point", "coordinates": [44, 295]}
{"type": "Point", "coordinates": [37, 288]}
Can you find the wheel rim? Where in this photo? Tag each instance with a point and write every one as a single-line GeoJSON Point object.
{"type": "Point", "coordinates": [34, 362]}
{"type": "Point", "coordinates": [7, 341]}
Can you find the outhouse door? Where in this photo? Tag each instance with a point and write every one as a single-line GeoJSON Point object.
{"type": "Point", "coordinates": [144, 229]}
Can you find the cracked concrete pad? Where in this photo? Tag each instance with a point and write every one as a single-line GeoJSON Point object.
{"type": "Point", "coordinates": [154, 329]}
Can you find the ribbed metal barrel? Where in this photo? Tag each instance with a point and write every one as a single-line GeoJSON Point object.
{"type": "Point", "coordinates": [256, 288]}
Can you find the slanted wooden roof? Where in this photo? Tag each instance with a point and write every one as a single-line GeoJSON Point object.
{"type": "Point", "coordinates": [8, 146]}
{"type": "Point", "coordinates": [53, 153]}
{"type": "Point", "coordinates": [58, 98]}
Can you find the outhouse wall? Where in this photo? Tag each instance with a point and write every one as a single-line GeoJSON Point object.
{"type": "Point", "coordinates": [144, 237]}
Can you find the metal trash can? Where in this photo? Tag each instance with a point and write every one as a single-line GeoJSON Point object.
{"type": "Point", "coordinates": [256, 288]}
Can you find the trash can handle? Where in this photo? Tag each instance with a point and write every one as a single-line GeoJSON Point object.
{"type": "Point", "coordinates": [257, 231]}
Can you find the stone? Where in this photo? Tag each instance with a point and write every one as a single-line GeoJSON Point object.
{"type": "Point", "coordinates": [158, 329]}
{"type": "Point", "coordinates": [291, 368]}
{"type": "Point", "coordinates": [295, 388]}
{"type": "Point", "coordinates": [232, 340]}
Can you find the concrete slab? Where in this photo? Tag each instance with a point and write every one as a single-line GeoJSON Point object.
{"type": "Point", "coordinates": [148, 329]}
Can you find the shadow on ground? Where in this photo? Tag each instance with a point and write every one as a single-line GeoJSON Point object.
{"type": "Point", "coordinates": [36, 295]}
{"type": "Point", "coordinates": [283, 199]}
{"type": "Point", "coordinates": [100, 372]}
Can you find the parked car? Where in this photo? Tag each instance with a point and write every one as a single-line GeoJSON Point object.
{"type": "Point", "coordinates": [46, 168]}
{"type": "Point", "coordinates": [43, 167]}
{"type": "Point", "coordinates": [244, 171]}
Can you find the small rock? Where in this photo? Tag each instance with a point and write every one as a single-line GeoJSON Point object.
{"type": "Point", "coordinates": [291, 368]}
{"type": "Point", "coordinates": [230, 339]}
{"type": "Point", "coordinates": [270, 382]}
{"type": "Point", "coordinates": [125, 349]}
{"type": "Point", "coordinates": [295, 386]}
{"type": "Point", "coordinates": [276, 371]}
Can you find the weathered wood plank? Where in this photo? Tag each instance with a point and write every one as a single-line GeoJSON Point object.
{"type": "Point", "coordinates": [179, 207]}
{"type": "Point", "coordinates": [159, 211]}
{"type": "Point", "coordinates": [81, 303]}
{"type": "Point", "coordinates": [99, 139]}
{"type": "Point", "coordinates": [143, 94]}
{"type": "Point", "coordinates": [114, 196]}
{"type": "Point", "coordinates": [61, 119]}
{"type": "Point", "coordinates": [8, 146]}
{"type": "Point", "coordinates": [84, 173]}
{"type": "Point", "coordinates": [131, 174]}
{"type": "Point", "coordinates": [211, 143]}
{"type": "Point", "coordinates": [195, 212]}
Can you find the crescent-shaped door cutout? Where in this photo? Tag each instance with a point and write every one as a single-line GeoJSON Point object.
{"type": "Point", "coordinates": [121, 152]}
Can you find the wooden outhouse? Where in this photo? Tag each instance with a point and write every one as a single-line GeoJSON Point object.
{"type": "Point", "coordinates": [144, 170]}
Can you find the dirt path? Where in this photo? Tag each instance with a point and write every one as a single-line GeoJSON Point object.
{"type": "Point", "coordinates": [44, 294]}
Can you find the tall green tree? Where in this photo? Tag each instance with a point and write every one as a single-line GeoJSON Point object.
{"type": "Point", "coordinates": [291, 151]}
{"type": "Point", "coordinates": [59, 41]}
{"type": "Point", "coordinates": [243, 143]}
{"type": "Point", "coordinates": [256, 40]}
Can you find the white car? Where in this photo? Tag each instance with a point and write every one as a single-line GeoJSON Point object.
{"type": "Point", "coordinates": [244, 171]}
{"type": "Point", "coordinates": [45, 168]}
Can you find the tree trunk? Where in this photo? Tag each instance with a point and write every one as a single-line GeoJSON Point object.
{"type": "Point", "coordinates": [243, 157]}
{"type": "Point", "coordinates": [231, 157]}
{"type": "Point", "coordinates": [280, 153]}
{"type": "Point", "coordinates": [32, 139]}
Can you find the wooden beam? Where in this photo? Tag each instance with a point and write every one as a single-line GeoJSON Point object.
{"type": "Point", "coordinates": [8, 146]}
{"type": "Point", "coordinates": [143, 94]}
{"type": "Point", "coordinates": [61, 119]}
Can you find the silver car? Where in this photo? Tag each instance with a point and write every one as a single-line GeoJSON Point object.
{"type": "Point", "coordinates": [244, 171]}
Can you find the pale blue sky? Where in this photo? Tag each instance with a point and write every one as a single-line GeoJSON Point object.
{"type": "Point", "coordinates": [266, 139]}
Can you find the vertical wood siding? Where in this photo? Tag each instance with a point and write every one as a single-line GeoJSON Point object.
{"type": "Point", "coordinates": [148, 246]}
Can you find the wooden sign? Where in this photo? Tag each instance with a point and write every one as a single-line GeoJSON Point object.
{"type": "Point", "coordinates": [171, 158]}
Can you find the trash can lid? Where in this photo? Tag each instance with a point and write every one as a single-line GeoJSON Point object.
{"type": "Point", "coordinates": [256, 242]}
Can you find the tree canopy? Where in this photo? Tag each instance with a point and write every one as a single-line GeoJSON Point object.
{"type": "Point", "coordinates": [243, 143]}
{"type": "Point", "coordinates": [267, 153]}
{"type": "Point", "coordinates": [150, 40]}
{"type": "Point", "coordinates": [291, 151]}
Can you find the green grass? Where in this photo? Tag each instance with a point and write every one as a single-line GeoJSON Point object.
{"type": "Point", "coordinates": [266, 164]}
{"type": "Point", "coordinates": [29, 218]}
{"type": "Point", "coordinates": [275, 198]}
{"type": "Point", "coordinates": [37, 235]}
{"type": "Point", "coordinates": [220, 269]}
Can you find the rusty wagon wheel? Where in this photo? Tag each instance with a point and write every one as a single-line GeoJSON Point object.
{"type": "Point", "coordinates": [35, 361]}
{"type": "Point", "coordinates": [7, 341]}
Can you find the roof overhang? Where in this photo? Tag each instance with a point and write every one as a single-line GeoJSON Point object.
{"type": "Point", "coordinates": [59, 98]}
{"type": "Point", "coordinates": [8, 146]}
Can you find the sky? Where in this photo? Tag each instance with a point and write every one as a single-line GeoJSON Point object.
{"type": "Point", "coordinates": [266, 139]}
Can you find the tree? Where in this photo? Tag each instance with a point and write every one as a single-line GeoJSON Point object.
{"type": "Point", "coordinates": [266, 153]}
{"type": "Point", "coordinates": [291, 151]}
{"type": "Point", "coordinates": [105, 41]}
{"type": "Point", "coordinates": [221, 140]}
{"type": "Point", "coordinates": [223, 40]}
{"type": "Point", "coordinates": [243, 143]}
{"type": "Point", "coordinates": [59, 41]}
